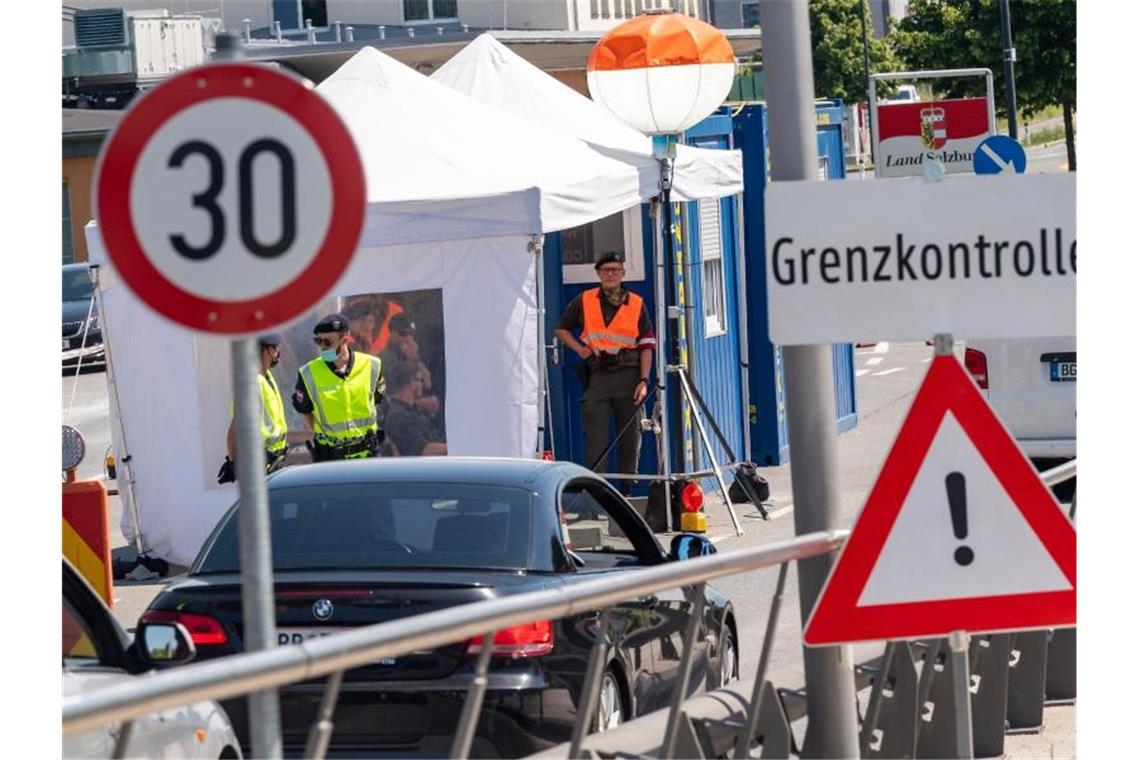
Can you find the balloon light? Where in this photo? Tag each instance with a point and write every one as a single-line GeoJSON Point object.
{"type": "Point", "coordinates": [661, 73]}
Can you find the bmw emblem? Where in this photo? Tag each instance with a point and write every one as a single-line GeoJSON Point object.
{"type": "Point", "coordinates": [322, 609]}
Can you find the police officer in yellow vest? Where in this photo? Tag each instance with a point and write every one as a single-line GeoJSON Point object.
{"type": "Point", "coordinates": [273, 428]}
{"type": "Point", "coordinates": [339, 393]}
{"type": "Point", "coordinates": [616, 339]}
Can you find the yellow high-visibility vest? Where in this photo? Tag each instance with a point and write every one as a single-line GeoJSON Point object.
{"type": "Point", "coordinates": [344, 409]}
{"type": "Point", "coordinates": [273, 427]}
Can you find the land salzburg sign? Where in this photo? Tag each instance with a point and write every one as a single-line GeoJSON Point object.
{"type": "Point", "coordinates": [948, 131]}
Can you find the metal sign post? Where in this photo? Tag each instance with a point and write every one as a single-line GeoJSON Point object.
{"type": "Point", "coordinates": [829, 673]}
{"type": "Point", "coordinates": [231, 199]}
{"type": "Point", "coordinates": [960, 682]}
{"type": "Point", "coordinates": [254, 541]}
{"type": "Point", "coordinates": [1009, 57]}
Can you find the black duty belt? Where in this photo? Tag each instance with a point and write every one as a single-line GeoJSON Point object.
{"type": "Point", "coordinates": [325, 451]}
{"type": "Point", "coordinates": [623, 358]}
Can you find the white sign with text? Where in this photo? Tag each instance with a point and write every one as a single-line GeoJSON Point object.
{"type": "Point", "coordinates": [905, 259]}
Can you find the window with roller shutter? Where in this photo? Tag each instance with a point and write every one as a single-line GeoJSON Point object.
{"type": "Point", "coordinates": [712, 268]}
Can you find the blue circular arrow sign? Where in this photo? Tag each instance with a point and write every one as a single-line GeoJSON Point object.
{"type": "Point", "coordinates": [999, 154]}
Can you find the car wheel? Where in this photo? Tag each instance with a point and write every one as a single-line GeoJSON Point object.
{"type": "Point", "coordinates": [611, 714]}
{"type": "Point", "coordinates": [727, 657]}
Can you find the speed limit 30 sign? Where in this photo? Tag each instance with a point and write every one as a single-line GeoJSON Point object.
{"type": "Point", "coordinates": [230, 198]}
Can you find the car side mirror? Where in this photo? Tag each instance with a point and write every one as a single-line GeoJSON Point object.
{"type": "Point", "coordinates": [689, 545]}
{"type": "Point", "coordinates": [165, 644]}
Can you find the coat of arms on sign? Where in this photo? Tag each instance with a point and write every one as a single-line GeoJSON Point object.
{"type": "Point", "coordinates": [933, 127]}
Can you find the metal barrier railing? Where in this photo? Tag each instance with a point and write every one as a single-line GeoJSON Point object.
{"type": "Point", "coordinates": [243, 673]}
{"type": "Point", "coordinates": [1060, 473]}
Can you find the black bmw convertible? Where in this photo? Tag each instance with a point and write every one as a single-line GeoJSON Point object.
{"type": "Point", "coordinates": [369, 541]}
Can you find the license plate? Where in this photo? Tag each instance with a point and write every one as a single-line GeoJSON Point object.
{"type": "Point", "coordinates": [66, 343]}
{"type": "Point", "coordinates": [1063, 372]}
{"type": "Point", "coordinates": [287, 636]}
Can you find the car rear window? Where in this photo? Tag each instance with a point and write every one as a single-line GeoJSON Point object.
{"type": "Point", "coordinates": [386, 525]}
{"type": "Point", "coordinates": [76, 285]}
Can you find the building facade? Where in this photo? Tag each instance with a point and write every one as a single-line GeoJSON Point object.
{"type": "Point", "coordinates": [235, 15]}
{"type": "Point", "coordinates": [83, 133]}
{"type": "Point", "coordinates": [881, 10]}
{"type": "Point", "coordinates": [745, 14]}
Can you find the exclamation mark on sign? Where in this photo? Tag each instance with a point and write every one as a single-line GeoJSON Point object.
{"type": "Point", "coordinates": [956, 493]}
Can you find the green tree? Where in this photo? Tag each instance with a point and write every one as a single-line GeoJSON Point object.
{"type": "Point", "coordinates": [837, 49]}
{"type": "Point", "coordinates": [951, 34]}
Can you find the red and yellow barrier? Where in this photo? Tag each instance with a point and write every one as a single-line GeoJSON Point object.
{"type": "Point", "coordinates": [86, 535]}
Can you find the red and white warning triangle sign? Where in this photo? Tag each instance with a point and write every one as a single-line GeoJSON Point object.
{"type": "Point", "coordinates": [958, 534]}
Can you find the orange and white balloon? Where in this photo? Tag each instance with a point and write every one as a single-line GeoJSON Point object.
{"type": "Point", "coordinates": [661, 72]}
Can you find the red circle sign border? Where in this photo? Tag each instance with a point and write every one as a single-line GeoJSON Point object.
{"type": "Point", "coordinates": [115, 174]}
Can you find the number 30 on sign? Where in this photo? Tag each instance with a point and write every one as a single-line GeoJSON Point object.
{"type": "Point", "coordinates": [230, 198]}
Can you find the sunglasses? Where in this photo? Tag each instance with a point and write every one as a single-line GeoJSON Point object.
{"type": "Point", "coordinates": [612, 270]}
{"type": "Point", "coordinates": [326, 342]}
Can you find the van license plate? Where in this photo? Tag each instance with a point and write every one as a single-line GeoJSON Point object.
{"type": "Point", "coordinates": [66, 344]}
{"type": "Point", "coordinates": [1063, 372]}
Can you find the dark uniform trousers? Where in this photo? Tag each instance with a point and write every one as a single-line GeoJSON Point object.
{"type": "Point", "coordinates": [610, 397]}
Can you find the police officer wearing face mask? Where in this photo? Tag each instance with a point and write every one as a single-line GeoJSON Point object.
{"type": "Point", "coordinates": [338, 395]}
{"type": "Point", "coordinates": [273, 428]}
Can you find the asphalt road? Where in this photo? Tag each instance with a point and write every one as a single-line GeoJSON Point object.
{"type": "Point", "coordinates": [1047, 158]}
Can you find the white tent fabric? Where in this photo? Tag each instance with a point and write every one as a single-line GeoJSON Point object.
{"type": "Point", "coordinates": [441, 165]}
{"type": "Point", "coordinates": [490, 72]}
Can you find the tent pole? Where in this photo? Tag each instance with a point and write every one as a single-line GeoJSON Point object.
{"type": "Point", "coordinates": [742, 331]}
{"type": "Point", "coordinates": [123, 461]}
{"type": "Point", "coordinates": [535, 247]}
{"type": "Point", "coordinates": [658, 208]}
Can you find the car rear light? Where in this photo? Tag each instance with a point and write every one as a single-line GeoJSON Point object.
{"type": "Point", "coordinates": [976, 366]}
{"type": "Point", "coordinates": [547, 455]}
{"type": "Point", "coordinates": [692, 497]}
{"type": "Point", "coordinates": [204, 630]}
{"type": "Point", "coordinates": [529, 640]}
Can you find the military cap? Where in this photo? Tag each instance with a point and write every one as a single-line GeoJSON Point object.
{"type": "Point", "coordinates": [332, 323]}
{"type": "Point", "coordinates": [609, 257]}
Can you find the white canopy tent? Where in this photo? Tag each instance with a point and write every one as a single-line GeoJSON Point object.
{"type": "Point", "coordinates": [491, 73]}
{"type": "Point", "coordinates": [458, 192]}
{"type": "Point", "coordinates": [439, 163]}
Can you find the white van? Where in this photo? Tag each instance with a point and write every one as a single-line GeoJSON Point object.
{"type": "Point", "coordinates": [906, 93]}
{"type": "Point", "coordinates": [1032, 385]}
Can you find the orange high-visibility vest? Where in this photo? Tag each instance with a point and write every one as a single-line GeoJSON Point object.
{"type": "Point", "coordinates": [620, 334]}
